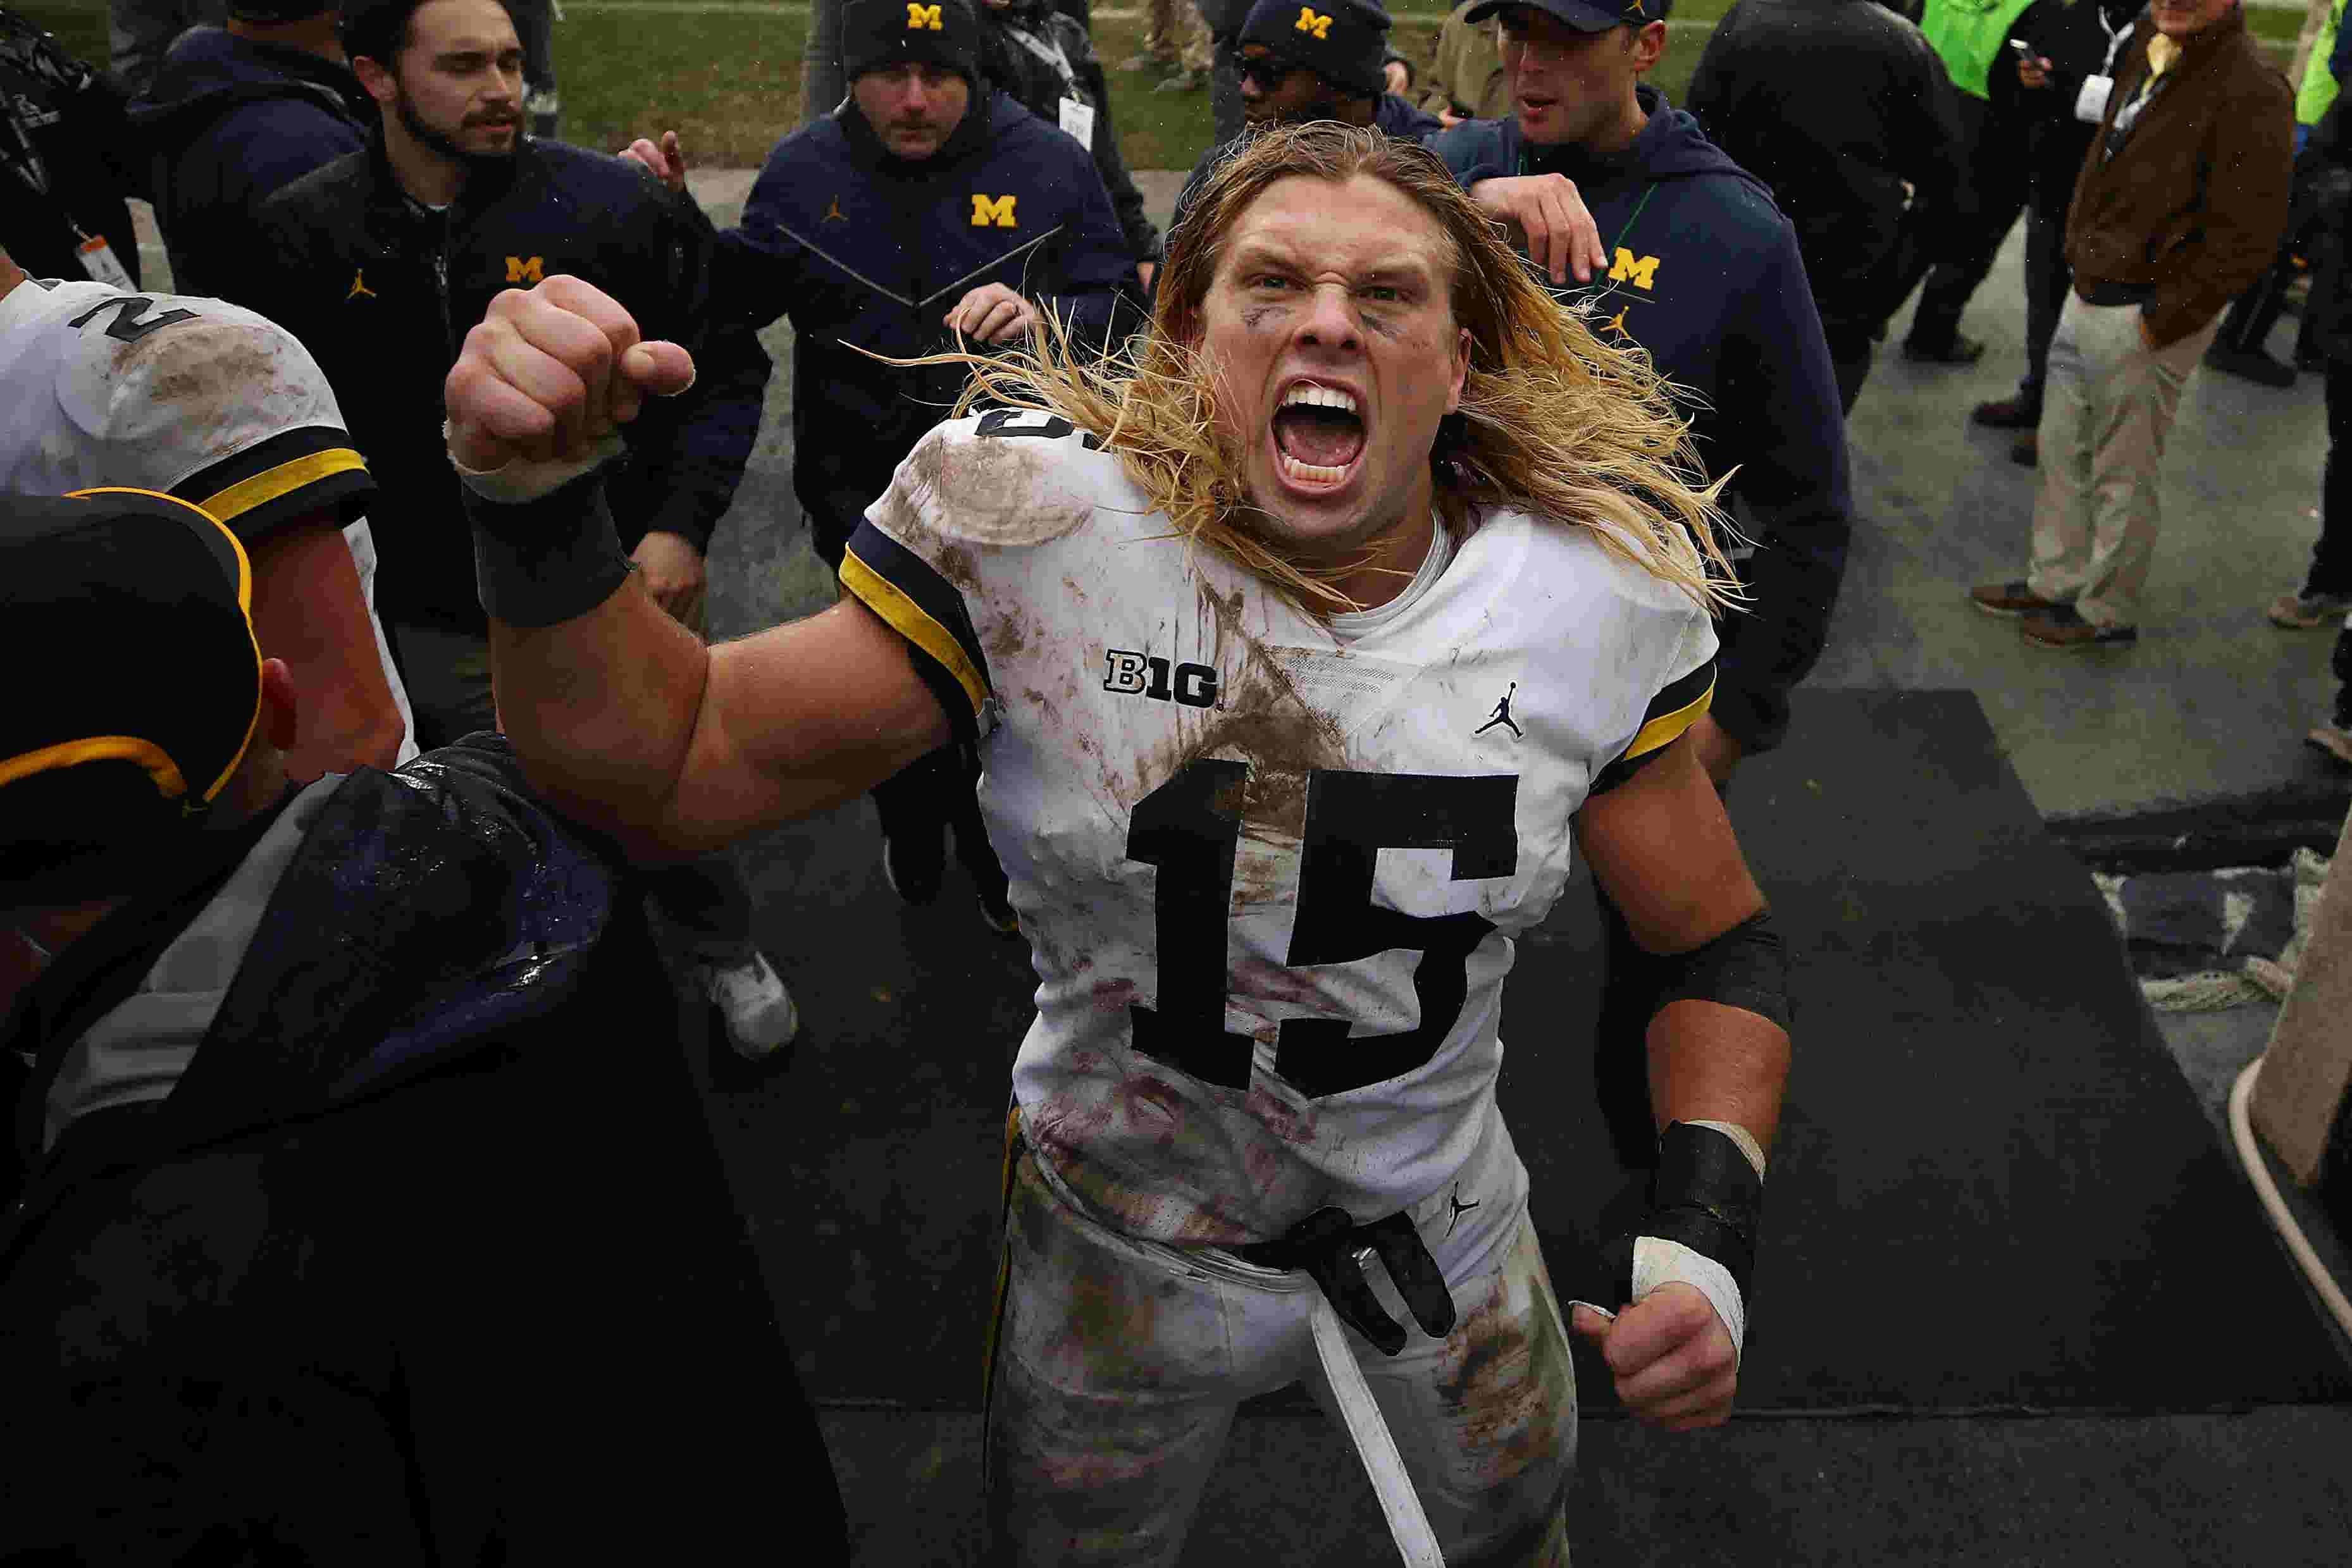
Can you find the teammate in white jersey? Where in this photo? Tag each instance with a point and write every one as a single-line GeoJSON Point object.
{"type": "Point", "coordinates": [1305, 650]}
{"type": "Point", "coordinates": [201, 399]}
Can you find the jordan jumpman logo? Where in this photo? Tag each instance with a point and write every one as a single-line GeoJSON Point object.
{"type": "Point", "coordinates": [1502, 715]}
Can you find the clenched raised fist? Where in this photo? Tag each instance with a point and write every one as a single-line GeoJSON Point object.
{"type": "Point", "coordinates": [551, 375]}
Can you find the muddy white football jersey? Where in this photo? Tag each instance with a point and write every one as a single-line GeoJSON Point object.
{"type": "Point", "coordinates": [1270, 871]}
{"type": "Point", "coordinates": [195, 398]}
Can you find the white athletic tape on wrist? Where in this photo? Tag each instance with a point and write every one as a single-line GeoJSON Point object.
{"type": "Point", "coordinates": [1657, 1262]}
{"type": "Point", "coordinates": [519, 479]}
{"type": "Point", "coordinates": [1416, 1543]}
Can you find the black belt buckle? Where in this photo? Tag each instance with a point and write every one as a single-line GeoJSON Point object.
{"type": "Point", "coordinates": [1331, 1248]}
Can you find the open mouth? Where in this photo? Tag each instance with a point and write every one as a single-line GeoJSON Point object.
{"type": "Point", "coordinates": [1318, 434]}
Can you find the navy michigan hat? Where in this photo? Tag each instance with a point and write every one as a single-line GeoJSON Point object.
{"type": "Point", "coordinates": [126, 627]}
{"type": "Point", "coordinates": [1342, 41]}
{"type": "Point", "coordinates": [1584, 15]}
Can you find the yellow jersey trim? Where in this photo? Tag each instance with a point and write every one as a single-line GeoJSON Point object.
{"type": "Point", "coordinates": [915, 623]}
{"type": "Point", "coordinates": [286, 478]}
{"type": "Point", "coordinates": [1662, 729]}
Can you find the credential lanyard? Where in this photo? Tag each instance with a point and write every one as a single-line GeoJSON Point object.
{"type": "Point", "coordinates": [1049, 51]}
{"type": "Point", "coordinates": [1624, 232]}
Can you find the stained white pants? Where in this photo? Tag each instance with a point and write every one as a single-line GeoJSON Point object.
{"type": "Point", "coordinates": [1119, 1363]}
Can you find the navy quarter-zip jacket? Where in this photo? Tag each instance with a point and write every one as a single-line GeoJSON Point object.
{"type": "Point", "coordinates": [866, 251]}
{"type": "Point", "coordinates": [1706, 277]}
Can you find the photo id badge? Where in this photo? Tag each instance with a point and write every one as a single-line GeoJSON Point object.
{"type": "Point", "coordinates": [1078, 120]}
{"type": "Point", "coordinates": [2091, 101]}
{"type": "Point", "coordinates": [98, 260]}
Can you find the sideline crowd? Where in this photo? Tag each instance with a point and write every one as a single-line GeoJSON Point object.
{"type": "Point", "coordinates": [354, 1206]}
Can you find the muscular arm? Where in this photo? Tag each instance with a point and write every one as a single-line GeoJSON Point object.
{"type": "Point", "coordinates": [629, 723]}
{"type": "Point", "coordinates": [1662, 848]}
{"type": "Point", "coordinates": [308, 609]}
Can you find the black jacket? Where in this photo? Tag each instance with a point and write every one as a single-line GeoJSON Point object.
{"type": "Point", "coordinates": [228, 122]}
{"type": "Point", "coordinates": [1029, 44]}
{"type": "Point", "coordinates": [2076, 38]}
{"type": "Point", "coordinates": [866, 251]}
{"type": "Point", "coordinates": [1836, 105]}
{"type": "Point", "coordinates": [427, 1256]}
{"type": "Point", "coordinates": [382, 291]}
{"type": "Point", "coordinates": [66, 156]}
{"type": "Point", "coordinates": [1706, 276]}
{"type": "Point", "coordinates": [2326, 173]}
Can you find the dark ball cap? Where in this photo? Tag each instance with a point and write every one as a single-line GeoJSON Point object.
{"type": "Point", "coordinates": [126, 617]}
{"type": "Point", "coordinates": [1584, 15]}
{"type": "Point", "coordinates": [878, 34]}
{"type": "Point", "coordinates": [1343, 42]}
{"type": "Point", "coordinates": [279, 10]}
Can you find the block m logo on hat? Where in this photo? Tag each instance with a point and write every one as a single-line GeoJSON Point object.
{"type": "Point", "coordinates": [919, 16]}
{"type": "Point", "coordinates": [1309, 22]}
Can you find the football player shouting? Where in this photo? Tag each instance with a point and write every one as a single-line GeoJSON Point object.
{"type": "Point", "coordinates": [1306, 646]}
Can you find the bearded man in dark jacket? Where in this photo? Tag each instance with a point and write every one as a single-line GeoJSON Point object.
{"type": "Point", "coordinates": [376, 1217]}
{"type": "Point", "coordinates": [382, 260]}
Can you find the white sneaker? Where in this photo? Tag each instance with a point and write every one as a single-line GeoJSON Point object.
{"type": "Point", "coordinates": [759, 1012]}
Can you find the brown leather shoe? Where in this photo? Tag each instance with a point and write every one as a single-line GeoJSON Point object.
{"type": "Point", "coordinates": [2026, 450]}
{"type": "Point", "coordinates": [2061, 627]}
{"type": "Point", "coordinates": [2008, 414]}
{"type": "Point", "coordinates": [2010, 598]}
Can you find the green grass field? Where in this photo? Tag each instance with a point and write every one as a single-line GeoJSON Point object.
{"type": "Point", "coordinates": [726, 74]}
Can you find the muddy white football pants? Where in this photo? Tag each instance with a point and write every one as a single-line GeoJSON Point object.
{"type": "Point", "coordinates": [1119, 1363]}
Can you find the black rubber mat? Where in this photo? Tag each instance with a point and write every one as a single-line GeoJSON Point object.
{"type": "Point", "coordinates": [1993, 1189]}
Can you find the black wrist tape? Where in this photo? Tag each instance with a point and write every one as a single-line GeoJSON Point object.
{"type": "Point", "coordinates": [540, 563]}
{"type": "Point", "coordinates": [1745, 967]}
{"type": "Point", "coordinates": [1706, 1196]}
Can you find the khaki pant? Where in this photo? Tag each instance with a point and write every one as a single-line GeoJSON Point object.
{"type": "Point", "coordinates": [1174, 33]}
{"type": "Point", "coordinates": [2107, 404]}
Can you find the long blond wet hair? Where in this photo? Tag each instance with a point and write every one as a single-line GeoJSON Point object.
{"type": "Point", "coordinates": [1553, 421]}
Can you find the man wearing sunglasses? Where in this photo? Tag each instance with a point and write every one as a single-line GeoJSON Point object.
{"type": "Point", "coordinates": [1302, 62]}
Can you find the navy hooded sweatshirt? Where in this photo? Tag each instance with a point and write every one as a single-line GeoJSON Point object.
{"type": "Point", "coordinates": [1706, 276]}
{"type": "Point", "coordinates": [228, 122]}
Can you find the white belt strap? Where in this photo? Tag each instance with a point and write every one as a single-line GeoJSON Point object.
{"type": "Point", "coordinates": [1416, 1543]}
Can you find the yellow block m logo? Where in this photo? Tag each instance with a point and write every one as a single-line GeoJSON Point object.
{"type": "Point", "coordinates": [922, 17]}
{"type": "Point", "coordinates": [1308, 22]}
{"type": "Point", "coordinates": [526, 269]}
{"type": "Point", "coordinates": [1637, 270]}
{"type": "Point", "coordinates": [997, 209]}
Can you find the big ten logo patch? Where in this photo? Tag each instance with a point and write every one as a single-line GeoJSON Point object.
{"type": "Point", "coordinates": [1131, 674]}
{"type": "Point", "coordinates": [526, 269]}
{"type": "Point", "coordinates": [1641, 271]}
{"type": "Point", "coordinates": [922, 17]}
{"type": "Point", "coordinates": [1309, 21]}
{"type": "Point", "coordinates": [997, 209]}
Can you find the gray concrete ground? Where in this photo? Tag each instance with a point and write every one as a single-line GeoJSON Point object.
{"type": "Point", "coordinates": [2205, 713]}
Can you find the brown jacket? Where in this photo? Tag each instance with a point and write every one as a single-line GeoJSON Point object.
{"type": "Point", "coordinates": [2193, 204]}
